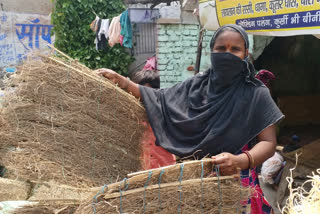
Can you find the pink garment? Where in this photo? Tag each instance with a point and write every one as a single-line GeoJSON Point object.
{"type": "Point", "coordinates": [257, 203]}
{"type": "Point", "coordinates": [114, 31]}
{"type": "Point", "coordinates": [265, 76]}
{"type": "Point", "coordinates": [151, 64]}
{"type": "Point", "coordinates": [154, 156]}
{"type": "Point", "coordinates": [121, 40]}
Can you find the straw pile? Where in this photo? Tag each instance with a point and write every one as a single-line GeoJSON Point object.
{"type": "Point", "coordinates": [46, 198]}
{"type": "Point", "coordinates": [61, 122]}
{"type": "Point", "coordinates": [46, 209]}
{"type": "Point", "coordinates": [304, 200]}
{"type": "Point", "coordinates": [183, 188]}
{"type": "Point", "coordinates": [14, 190]}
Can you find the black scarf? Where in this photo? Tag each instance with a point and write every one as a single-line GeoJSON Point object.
{"type": "Point", "coordinates": [219, 111]}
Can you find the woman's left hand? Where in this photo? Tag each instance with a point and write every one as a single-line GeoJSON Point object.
{"type": "Point", "coordinates": [228, 163]}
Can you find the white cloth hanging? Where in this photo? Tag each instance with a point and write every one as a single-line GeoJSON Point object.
{"type": "Point", "coordinates": [104, 29]}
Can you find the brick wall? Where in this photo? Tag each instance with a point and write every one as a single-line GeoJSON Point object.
{"type": "Point", "coordinates": [177, 50]}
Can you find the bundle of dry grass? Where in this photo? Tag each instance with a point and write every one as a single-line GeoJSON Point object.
{"type": "Point", "coordinates": [62, 122]}
{"type": "Point", "coordinates": [14, 190]}
{"type": "Point", "coordinates": [182, 188]}
{"type": "Point", "coordinates": [304, 200]}
{"type": "Point", "coordinates": [47, 209]}
{"type": "Point", "coordinates": [45, 198]}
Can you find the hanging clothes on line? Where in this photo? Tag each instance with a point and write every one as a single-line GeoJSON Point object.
{"type": "Point", "coordinates": [121, 40]}
{"type": "Point", "coordinates": [102, 34]}
{"type": "Point", "coordinates": [101, 38]}
{"type": "Point", "coordinates": [114, 31]}
{"type": "Point", "coordinates": [94, 27]}
{"type": "Point", "coordinates": [94, 24]}
{"type": "Point", "coordinates": [119, 30]}
{"type": "Point", "coordinates": [126, 29]}
{"type": "Point", "coordinates": [104, 29]}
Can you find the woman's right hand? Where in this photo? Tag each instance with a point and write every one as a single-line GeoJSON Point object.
{"type": "Point", "coordinates": [109, 74]}
{"type": "Point", "coordinates": [121, 81]}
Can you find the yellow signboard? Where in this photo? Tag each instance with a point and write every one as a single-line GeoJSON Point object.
{"type": "Point", "coordinates": [271, 15]}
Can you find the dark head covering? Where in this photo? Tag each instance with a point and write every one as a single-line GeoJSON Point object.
{"type": "Point", "coordinates": [220, 111]}
{"type": "Point", "coordinates": [236, 28]}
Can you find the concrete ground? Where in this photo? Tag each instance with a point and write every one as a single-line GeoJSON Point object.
{"type": "Point", "coordinates": [271, 195]}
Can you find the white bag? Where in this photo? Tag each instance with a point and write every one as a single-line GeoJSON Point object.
{"type": "Point", "coordinates": [271, 167]}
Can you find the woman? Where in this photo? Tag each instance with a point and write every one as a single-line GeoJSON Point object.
{"type": "Point", "coordinates": [225, 113]}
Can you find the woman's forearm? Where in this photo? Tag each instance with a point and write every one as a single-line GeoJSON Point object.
{"type": "Point", "coordinates": [266, 147]}
{"type": "Point", "coordinates": [262, 151]}
{"type": "Point", "coordinates": [129, 86]}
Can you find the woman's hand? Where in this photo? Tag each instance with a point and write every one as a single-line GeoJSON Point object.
{"type": "Point", "coordinates": [113, 76]}
{"type": "Point", "coordinates": [121, 81]}
{"type": "Point", "coordinates": [230, 164]}
{"type": "Point", "coordinates": [109, 74]}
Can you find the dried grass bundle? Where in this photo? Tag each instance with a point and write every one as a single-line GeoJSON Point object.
{"type": "Point", "coordinates": [302, 200]}
{"type": "Point", "coordinates": [11, 190]}
{"type": "Point", "coordinates": [183, 188]}
{"type": "Point", "coordinates": [62, 122]}
{"type": "Point", "coordinates": [47, 209]}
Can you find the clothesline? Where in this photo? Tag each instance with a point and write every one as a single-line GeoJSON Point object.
{"type": "Point", "coordinates": [119, 28]}
{"type": "Point", "coordinates": [113, 31]}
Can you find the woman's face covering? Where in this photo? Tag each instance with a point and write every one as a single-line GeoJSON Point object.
{"type": "Point", "coordinates": [230, 42]}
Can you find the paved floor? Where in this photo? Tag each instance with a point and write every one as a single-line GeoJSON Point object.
{"type": "Point", "coordinates": [270, 194]}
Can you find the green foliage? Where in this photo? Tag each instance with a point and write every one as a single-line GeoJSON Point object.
{"type": "Point", "coordinates": [71, 20]}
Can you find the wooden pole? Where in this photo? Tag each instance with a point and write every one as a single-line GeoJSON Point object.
{"type": "Point", "coordinates": [199, 51]}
